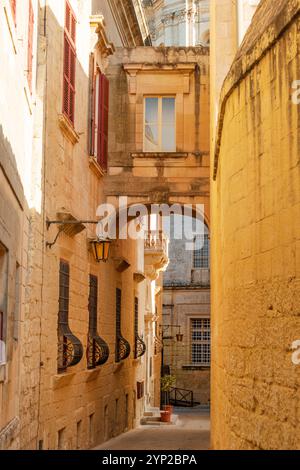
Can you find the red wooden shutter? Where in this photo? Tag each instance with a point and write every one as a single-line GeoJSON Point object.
{"type": "Point", "coordinates": [69, 64]}
{"type": "Point", "coordinates": [92, 129]}
{"type": "Point", "coordinates": [30, 44]}
{"type": "Point", "coordinates": [103, 121]}
{"type": "Point", "coordinates": [13, 5]}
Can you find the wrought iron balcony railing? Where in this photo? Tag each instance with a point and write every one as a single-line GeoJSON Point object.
{"type": "Point", "coordinates": [70, 350]}
{"type": "Point", "coordinates": [139, 347]}
{"type": "Point", "coordinates": [97, 351]}
{"type": "Point", "coordinates": [122, 348]}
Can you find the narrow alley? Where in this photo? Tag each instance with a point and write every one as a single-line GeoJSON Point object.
{"type": "Point", "coordinates": [191, 431]}
{"type": "Point", "coordinates": [149, 225]}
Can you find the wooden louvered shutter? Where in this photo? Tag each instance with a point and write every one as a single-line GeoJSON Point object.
{"type": "Point", "coordinates": [69, 65]}
{"type": "Point", "coordinates": [13, 5]}
{"type": "Point", "coordinates": [103, 121]}
{"type": "Point", "coordinates": [30, 44]}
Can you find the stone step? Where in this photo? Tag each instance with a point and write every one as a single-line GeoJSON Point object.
{"type": "Point", "coordinates": [155, 421]}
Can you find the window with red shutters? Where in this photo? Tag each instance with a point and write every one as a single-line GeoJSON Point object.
{"type": "Point", "coordinates": [100, 119]}
{"type": "Point", "coordinates": [69, 64]}
{"type": "Point", "coordinates": [13, 5]}
{"type": "Point", "coordinates": [30, 44]}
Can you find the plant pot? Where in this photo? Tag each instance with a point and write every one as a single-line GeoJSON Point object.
{"type": "Point", "coordinates": [168, 408]}
{"type": "Point", "coordinates": [165, 416]}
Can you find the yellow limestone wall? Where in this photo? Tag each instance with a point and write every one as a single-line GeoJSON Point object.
{"type": "Point", "coordinates": [256, 256]}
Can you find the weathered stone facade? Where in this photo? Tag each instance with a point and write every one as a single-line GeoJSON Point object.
{"type": "Point", "coordinates": [181, 176]}
{"type": "Point", "coordinates": [186, 298]}
{"type": "Point", "coordinates": [255, 239]}
{"type": "Point", "coordinates": [45, 175]}
{"type": "Point", "coordinates": [19, 197]}
{"type": "Point", "coordinates": [178, 22]}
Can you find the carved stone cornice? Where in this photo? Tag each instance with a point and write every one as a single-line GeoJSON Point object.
{"type": "Point", "coordinates": [97, 23]}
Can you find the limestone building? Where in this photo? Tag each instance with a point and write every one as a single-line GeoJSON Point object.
{"type": "Point", "coordinates": [19, 197]}
{"type": "Point", "coordinates": [186, 311]}
{"type": "Point", "coordinates": [255, 237]}
{"type": "Point", "coordinates": [178, 22]}
{"type": "Point", "coordinates": [86, 342]}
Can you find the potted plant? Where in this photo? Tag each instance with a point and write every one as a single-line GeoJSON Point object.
{"type": "Point", "coordinates": [167, 383]}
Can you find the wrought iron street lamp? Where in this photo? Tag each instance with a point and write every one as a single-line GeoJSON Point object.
{"type": "Point", "coordinates": [68, 224]}
{"type": "Point", "coordinates": [179, 335]}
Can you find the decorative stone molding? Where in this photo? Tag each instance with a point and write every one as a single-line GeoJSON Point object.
{"type": "Point", "coordinates": [95, 167]}
{"type": "Point", "coordinates": [139, 277]}
{"type": "Point", "coordinates": [97, 23]}
{"type": "Point", "coordinates": [62, 380]}
{"type": "Point", "coordinates": [68, 130]}
{"type": "Point", "coordinates": [9, 433]}
{"type": "Point", "coordinates": [133, 70]}
{"type": "Point", "coordinates": [121, 264]}
{"type": "Point", "coordinates": [156, 254]}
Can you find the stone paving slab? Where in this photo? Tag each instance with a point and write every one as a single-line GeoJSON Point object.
{"type": "Point", "coordinates": [191, 432]}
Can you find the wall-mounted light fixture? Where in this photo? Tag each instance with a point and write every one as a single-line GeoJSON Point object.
{"type": "Point", "coordinates": [71, 226]}
{"type": "Point", "coordinates": [100, 248]}
{"type": "Point", "coordinates": [179, 335]}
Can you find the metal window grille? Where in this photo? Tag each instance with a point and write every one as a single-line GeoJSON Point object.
{"type": "Point", "coordinates": [200, 341]}
{"type": "Point", "coordinates": [122, 345]}
{"type": "Point", "coordinates": [202, 252]}
{"type": "Point", "coordinates": [70, 350]}
{"type": "Point", "coordinates": [63, 313]}
{"type": "Point", "coordinates": [97, 349]}
{"type": "Point", "coordinates": [140, 346]}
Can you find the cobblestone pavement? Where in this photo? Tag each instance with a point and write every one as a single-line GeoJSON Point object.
{"type": "Point", "coordinates": [191, 432]}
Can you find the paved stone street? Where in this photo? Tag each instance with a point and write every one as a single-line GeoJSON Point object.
{"type": "Point", "coordinates": [191, 432]}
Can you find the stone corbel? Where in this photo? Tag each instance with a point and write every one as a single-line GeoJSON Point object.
{"type": "Point", "coordinates": [97, 24]}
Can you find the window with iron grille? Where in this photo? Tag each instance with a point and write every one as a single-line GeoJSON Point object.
{"type": "Point", "coordinates": [200, 341]}
{"type": "Point", "coordinates": [140, 346]}
{"type": "Point", "coordinates": [30, 44]}
{"type": "Point", "coordinates": [69, 64]}
{"type": "Point", "coordinates": [122, 345]}
{"type": "Point", "coordinates": [100, 119]}
{"type": "Point", "coordinates": [70, 349]}
{"type": "Point", "coordinates": [97, 349]}
{"type": "Point", "coordinates": [201, 251]}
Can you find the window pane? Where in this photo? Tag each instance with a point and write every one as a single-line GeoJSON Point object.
{"type": "Point", "coordinates": [151, 113]}
{"type": "Point", "coordinates": [202, 252]}
{"type": "Point", "coordinates": [151, 138]}
{"type": "Point", "coordinates": [168, 138]}
{"type": "Point", "coordinates": [168, 110]}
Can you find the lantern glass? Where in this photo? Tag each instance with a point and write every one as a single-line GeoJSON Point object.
{"type": "Point", "coordinates": [179, 337]}
{"type": "Point", "coordinates": [101, 250]}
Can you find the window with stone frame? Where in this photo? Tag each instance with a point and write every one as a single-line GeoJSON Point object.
{"type": "Point", "coordinates": [160, 124]}
{"type": "Point", "coordinates": [70, 349]}
{"type": "Point", "coordinates": [202, 252]}
{"type": "Point", "coordinates": [200, 341]}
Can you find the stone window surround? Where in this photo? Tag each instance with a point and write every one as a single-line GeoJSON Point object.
{"type": "Point", "coordinates": [160, 123]}
{"type": "Point", "coordinates": [136, 71]}
{"type": "Point", "coordinates": [187, 332]}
